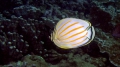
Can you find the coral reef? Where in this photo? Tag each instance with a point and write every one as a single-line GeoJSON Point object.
{"type": "Point", "coordinates": [110, 45]}
{"type": "Point", "coordinates": [12, 44]}
{"type": "Point", "coordinates": [101, 19]}
{"type": "Point", "coordinates": [27, 11]}
{"type": "Point", "coordinates": [29, 61]}
{"type": "Point", "coordinates": [116, 32]}
{"type": "Point", "coordinates": [19, 37]}
{"type": "Point", "coordinates": [107, 6]}
{"type": "Point", "coordinates": [26, 25]}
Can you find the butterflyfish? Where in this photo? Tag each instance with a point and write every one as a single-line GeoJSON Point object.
{"type": "Point", "coordinates": [72, 33]}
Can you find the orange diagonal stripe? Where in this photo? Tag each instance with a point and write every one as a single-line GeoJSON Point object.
{"type": "Point", "coordinates": [77, 38]}
{"type": "Point", "coordinates": [79, 42]}
{"type": "Point", "coordinates": [63, 26]}
{"type": "Point", "coordinates": [73, 30]}
{"type": "Point", "coordinates": [68, 27]}
{"type": "Point", "coordinates": [75, 34]}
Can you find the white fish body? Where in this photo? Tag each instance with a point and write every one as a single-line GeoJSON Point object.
{"type": "Point", "coordinates": [72, 33]}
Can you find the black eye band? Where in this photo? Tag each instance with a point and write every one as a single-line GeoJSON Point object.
{"type": "Point", "coordinates": [91, 27]}
{"type": "Point", "coordinates": [92, 33]}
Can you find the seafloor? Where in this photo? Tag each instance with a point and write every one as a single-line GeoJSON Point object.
{"type": "Point", "coordinates": [26, 26]}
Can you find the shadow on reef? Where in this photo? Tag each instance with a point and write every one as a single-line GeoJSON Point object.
{"type": "Point", "coordinates": [101, 19]}
{"type": "Point", "coordinates": [94, 51]}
